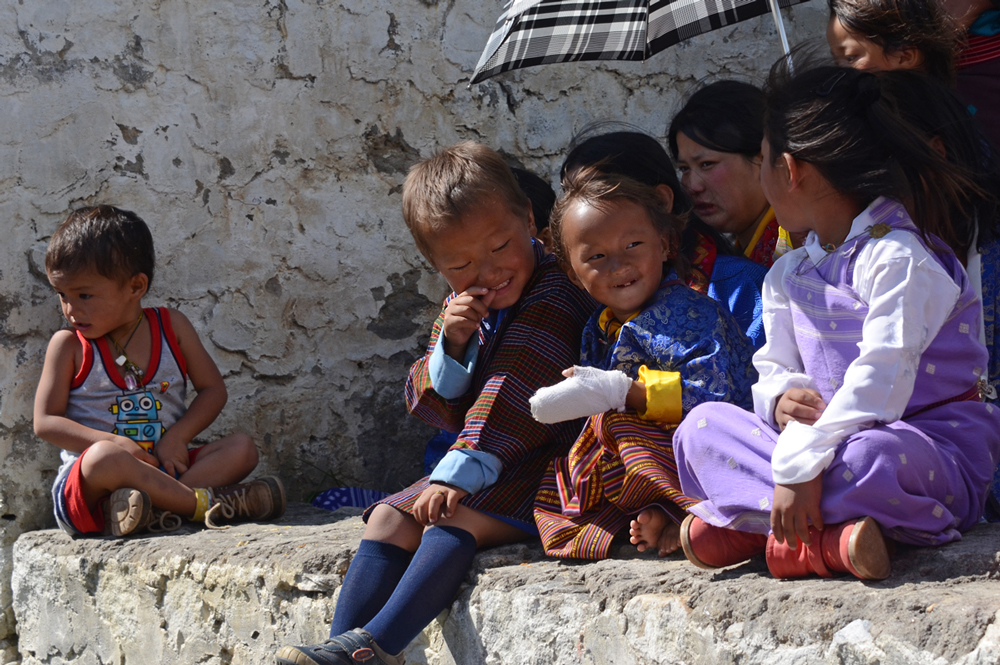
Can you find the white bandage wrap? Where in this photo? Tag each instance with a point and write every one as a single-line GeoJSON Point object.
{"type": "Point", "coordinates": [588, 392]}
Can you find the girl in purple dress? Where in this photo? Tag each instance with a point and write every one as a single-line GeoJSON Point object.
{"type": "Point", "coordinates": [868, 421]}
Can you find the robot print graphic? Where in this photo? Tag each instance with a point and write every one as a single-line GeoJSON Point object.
{"type": "Point", "coordinates": [137, 417]}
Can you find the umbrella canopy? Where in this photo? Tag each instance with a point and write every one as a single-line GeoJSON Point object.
{"type": "Point", "coordinates": [539, 32]}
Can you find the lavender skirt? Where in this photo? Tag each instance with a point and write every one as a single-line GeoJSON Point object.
{"type": "Point", "coordinates": [924, 478]}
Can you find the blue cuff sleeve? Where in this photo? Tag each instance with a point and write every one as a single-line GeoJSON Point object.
{"type": "Point", "coordinates": [449, 379]}
{"type": "Point", "coordinates": [472, 470]}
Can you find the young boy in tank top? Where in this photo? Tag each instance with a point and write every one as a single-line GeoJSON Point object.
{"type": "Point", "coordinates": [112, 395]}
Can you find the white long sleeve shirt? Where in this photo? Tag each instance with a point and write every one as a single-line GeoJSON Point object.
{"type": "Point", "coordinates": [909, 297]}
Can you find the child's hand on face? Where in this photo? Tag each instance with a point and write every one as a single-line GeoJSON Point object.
{"type": "Point", "coordinates": [795, 506]}
{"type": "Point", "coordinates": [172, 455]}
{"type": "Point", "coordinates": [462, 317]}
{"type": "Point", "coordinates": [804, 405]}
{"type": "Point", "coordinates": [437, 501]}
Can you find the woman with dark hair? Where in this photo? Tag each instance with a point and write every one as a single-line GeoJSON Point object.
{"type": "Point", "coordinates": [706, 259]}
{"type": "Point", "coordinates": [716, 139]}
{"type": "Point", "coordinates": [926, 35]}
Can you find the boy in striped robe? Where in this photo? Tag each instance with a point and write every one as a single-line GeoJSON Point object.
{"type": "Point", "coordinates": [512, 323]}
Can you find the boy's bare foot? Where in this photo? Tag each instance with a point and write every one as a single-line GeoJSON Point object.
{"type": "Point", "coordinates": [652, 528]}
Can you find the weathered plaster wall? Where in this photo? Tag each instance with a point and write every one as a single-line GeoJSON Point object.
{"type": "Point", "coordinates": [265, 143]}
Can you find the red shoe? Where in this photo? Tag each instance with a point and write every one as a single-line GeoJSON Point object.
{"type": "Point", "coordinates": [855, 547]}
{"type": "Point", "coordinates": [709, 547]}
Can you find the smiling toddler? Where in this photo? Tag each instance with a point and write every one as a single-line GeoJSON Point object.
{"type": "Point", "coordinates": [655, 350]}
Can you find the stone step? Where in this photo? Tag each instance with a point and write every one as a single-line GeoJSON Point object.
{"type": "Point", "coordinates": [236, 596]}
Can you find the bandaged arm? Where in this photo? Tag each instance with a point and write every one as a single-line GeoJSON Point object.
{"type": "Point", "coordinates": [590, 391]}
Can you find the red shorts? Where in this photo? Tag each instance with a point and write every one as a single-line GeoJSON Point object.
{"type": "Point", "coordinates": [73, 508]}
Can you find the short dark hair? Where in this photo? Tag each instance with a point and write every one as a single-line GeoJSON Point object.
{"type": "Point", "coordinates": [895, 25]}
{"type": "Point", "coordinates": [600, 190]}
{"type": "Point", "coordinates": [441, 189]}
{"type": "Point", "coordinates": [725, 116]}
{"type": "Point", "coordinates": [113, 242]}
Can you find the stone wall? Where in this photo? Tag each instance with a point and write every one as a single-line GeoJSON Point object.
{"type": "Point", "coordinates": [235, 597]}
{"type": "Point", "coordinates": [265, 144]}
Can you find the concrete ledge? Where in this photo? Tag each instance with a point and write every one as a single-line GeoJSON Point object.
{"type": "Point", "coordinates": [236, 596]}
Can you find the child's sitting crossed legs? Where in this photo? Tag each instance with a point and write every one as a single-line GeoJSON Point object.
{"type": "Point", "coordinates": [112, 394]}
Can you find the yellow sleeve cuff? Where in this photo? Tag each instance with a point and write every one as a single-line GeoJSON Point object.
{"type": "Point", "coordinates": [663, 395]}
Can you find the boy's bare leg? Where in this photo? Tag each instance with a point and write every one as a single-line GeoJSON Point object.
{"type": "Point", "coordinates": [389, 525]}
{"type": "Point", "coordinates": [488, 531]}
{"type": "Point", "coordinates": [106, 467]}
{"type": "Point", "coordinates": [224, 462]}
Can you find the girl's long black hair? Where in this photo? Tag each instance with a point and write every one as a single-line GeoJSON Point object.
{"type": "Point", "coordinates": [899, 134]}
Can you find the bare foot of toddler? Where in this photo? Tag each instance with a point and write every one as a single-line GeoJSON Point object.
{"type": "Point", "coordinates": [652, 528]}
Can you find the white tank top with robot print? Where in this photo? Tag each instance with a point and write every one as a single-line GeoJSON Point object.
{"type": "Point", "coordinates": [100, 399]}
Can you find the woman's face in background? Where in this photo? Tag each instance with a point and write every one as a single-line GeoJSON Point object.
{"type": "Point", "coordinates": [724, 186]}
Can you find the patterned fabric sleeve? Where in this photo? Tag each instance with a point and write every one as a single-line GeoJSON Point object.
{"type": "Point", "coordinates": [540, 341]}
{"type": "Point", "coordinates": [688, 333]}
{"type": "Point", "coordinates": [530, 350]}
{"type": "Point", "coordinates": [423, 402]}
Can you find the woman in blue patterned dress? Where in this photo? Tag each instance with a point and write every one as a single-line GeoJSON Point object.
{"type": "Point", "coordinates": [656, 349]}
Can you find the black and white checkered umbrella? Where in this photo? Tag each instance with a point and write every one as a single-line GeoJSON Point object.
{"type": "Point", "coordinates": [539, 32]}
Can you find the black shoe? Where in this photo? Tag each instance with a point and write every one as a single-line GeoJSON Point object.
{"type": "Point", "coordinates": [352, 648]}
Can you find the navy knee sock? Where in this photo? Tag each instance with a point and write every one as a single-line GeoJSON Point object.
{"type": "Point", "coordinates": [373, 575]}
{"type": "Point", "coordinates": [429, 585]}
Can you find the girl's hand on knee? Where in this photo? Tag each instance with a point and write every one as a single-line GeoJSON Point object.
{"type": "Point", "coordinates": [437, 501]}
{"type": "Point", "coordinates": [135, 450]}
{"type": "Point", "coordinates": [804, 405]}
{"type": "Point", "coordinates": [795, 507]}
